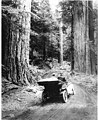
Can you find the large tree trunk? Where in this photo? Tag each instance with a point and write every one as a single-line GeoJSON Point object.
{"type": "Point", "coordinates": [18, 56]}
{"type": "Point", "coordinates": [88, 64]}
{"type": "Point", "coordinates": [5, 41]}
{"type": "Point", "coordinates": [84, 56]}
{"type": "Point", "coordinates": [79, 40]}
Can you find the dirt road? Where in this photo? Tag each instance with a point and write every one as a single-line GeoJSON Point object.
{"type": "Point", "coordinates": [81, 106]}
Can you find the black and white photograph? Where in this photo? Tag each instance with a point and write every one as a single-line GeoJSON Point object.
{"type": "Point", "coordinates": [49, 60]}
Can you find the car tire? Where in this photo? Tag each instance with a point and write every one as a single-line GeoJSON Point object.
{"type": "Point", "coordinates": [65, 96]}
{"type": "Point", "coordinates": [44, 96]}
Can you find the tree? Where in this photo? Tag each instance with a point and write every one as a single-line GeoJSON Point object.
{"type": "Point", "coordinates": [61, 42]}
{"type": "Point", "coordinates": [46, 41]}
{"type": "Point", "coordinates": [41, 26]}
{"type": "Point", "coordinates": [67, 17]}
{"type": "Point", "coordinates": [79, 15]}
{"type": "Point", "coordinates": [91, 37]}
{"type": "Point", "coordinates": [96, 36]}
{"type": "Point", "coordinates": [18, 41]}
{"type": "Point", "coordinates": [84, 55]}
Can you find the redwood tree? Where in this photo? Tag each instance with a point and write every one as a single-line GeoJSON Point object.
{"type": "Point", "coordinates": [18, 42]}
{"type": "Point", "coordinates": [84, 55]}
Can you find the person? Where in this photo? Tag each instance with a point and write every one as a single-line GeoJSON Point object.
{"type": "Point", "coordinates": [61, 77]}
{"type": "Point", "coordinates": [70, 88]}
{"type": "Point", "coordinates": [66, 84]}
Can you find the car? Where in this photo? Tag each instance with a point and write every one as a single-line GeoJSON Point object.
{"type": "Point", "coordinates": [53, 87]}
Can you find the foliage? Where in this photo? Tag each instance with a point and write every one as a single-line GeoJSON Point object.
{"type": "Point", "coordinates": [47, 30]}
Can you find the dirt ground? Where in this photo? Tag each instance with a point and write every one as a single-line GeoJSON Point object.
{"type": "Point", "coordinates": [26, 103]}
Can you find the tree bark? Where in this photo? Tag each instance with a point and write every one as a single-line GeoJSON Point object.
{"type": "Point", "coordinates": [84, 54]}
{"type": "Point", "coordinates": [61, 43]}
{"type": "Point", "coordinates": [91, 38]}
{"type": "Point", "coordinates": [88, 64]}
{"type": "Point", "coordinates": [18, 56]}
{"type": "Point", "coordinates": [79, 40]}
{"type": "Point", "coordinates": [97, 44]}
{"type": "Point", "coordinates": [72, 44]}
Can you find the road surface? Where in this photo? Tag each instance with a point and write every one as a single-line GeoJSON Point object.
{"type": "Point", "coordinates": [81, 106]}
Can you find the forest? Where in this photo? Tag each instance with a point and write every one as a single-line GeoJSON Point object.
{"type": "Point", "coordinates": [37, 42]}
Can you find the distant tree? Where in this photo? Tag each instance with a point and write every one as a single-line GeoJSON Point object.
{"type": "Point", "coordinates": [61, 42]}
{"type": "Point", "coordinates": [68, 18]}
{"type": "Point", "coordinates": [46, 29]}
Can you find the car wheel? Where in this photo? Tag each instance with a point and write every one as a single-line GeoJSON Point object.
{"type": "Point", "coordinates": [65, 96]}
{"type": "Point", "coordinates": [44, 96]}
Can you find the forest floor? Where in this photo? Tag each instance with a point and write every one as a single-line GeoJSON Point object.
{"type": "Point", "coordinates": [26, 104]}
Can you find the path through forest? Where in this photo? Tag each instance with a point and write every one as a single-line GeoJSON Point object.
{"type": "Point", "coordinates": [81, 106]}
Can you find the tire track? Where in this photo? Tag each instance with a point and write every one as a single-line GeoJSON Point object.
{"type": "Point", "coordinates": [76, 108]}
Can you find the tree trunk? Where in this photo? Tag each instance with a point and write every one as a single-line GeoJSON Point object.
{"type": "Point", "coordinates": [84, 55]}
{"type": "Point", "coordinates": [72, 44]}
{"type": "Point", "coordinates": [44, 47]}
{"type": "Point", "coordinates": [88, 64]}
{"type": "Point", "coordinates": [19, 44]}
{"type": "Point", "coordinates": [91, 39]}
{"type": "Point", "coordinates": [5, 39]}
{"type": "Point", "coordinates": [61, 43]}
{"type": "Point", "coordinates": [79, 40]}
{"type": "Point", "coordinates": [59, 51]}
{"type": "Point", "coordinates": [97, 44]}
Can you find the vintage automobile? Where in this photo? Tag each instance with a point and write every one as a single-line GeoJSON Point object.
{"type": "Point", "coordinates": [53, 87]}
